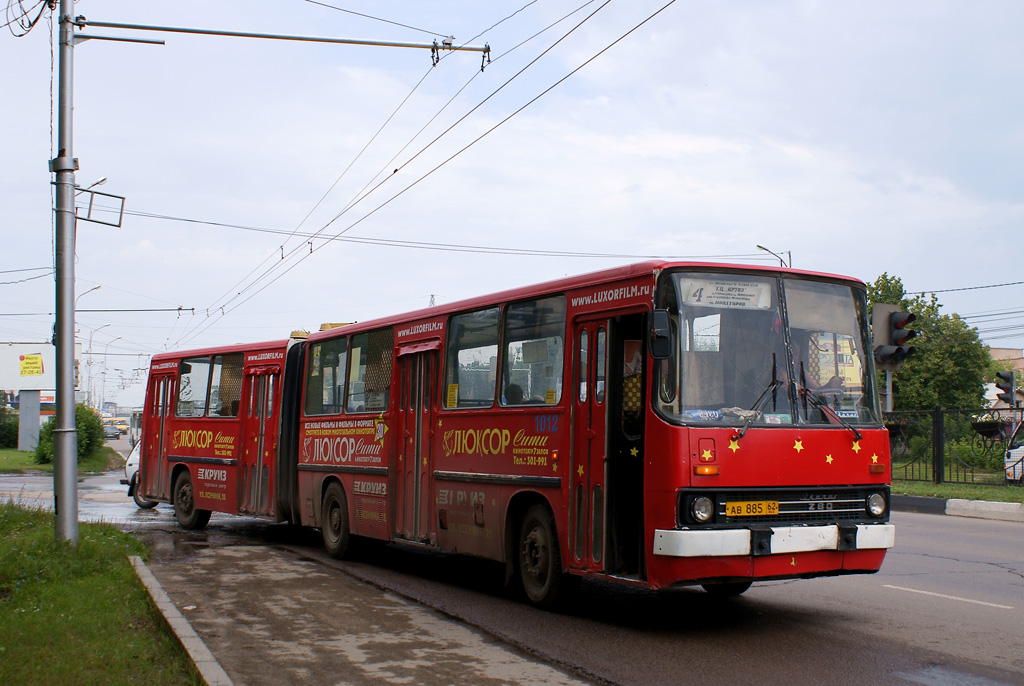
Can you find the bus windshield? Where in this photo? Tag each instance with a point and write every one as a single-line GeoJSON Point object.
{"type": "Point", "coordinates": [763, 350]}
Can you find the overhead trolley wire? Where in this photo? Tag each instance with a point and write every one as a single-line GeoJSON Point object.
{"type": "Point", "coordinates": [360, 195]}
{"type": "Point", "coordinates": [278, 265]}
{"type": "Point", "coordinates": [356, 198]}
{"type": "Point", "coordinates": [466, 147]}
{"type": "Point", "coordinates": [367, 16]}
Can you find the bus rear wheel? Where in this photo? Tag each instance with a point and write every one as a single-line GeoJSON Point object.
{"type": "Point", "coordinates": [188, 515]}
{"type": "Point", "coordinates": [540, 561]}
{"type": "Point", "coordinates": [335, 528]}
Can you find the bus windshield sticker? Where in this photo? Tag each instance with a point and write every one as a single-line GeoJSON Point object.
{"type": "Point", "coordinates": [733, 295]}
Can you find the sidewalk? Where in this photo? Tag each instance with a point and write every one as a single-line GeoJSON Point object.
{"type": "Point", "coordinates": [271, 617]}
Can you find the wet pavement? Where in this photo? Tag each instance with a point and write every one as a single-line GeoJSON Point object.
{"type": "Point", "coordinates": [272, 613]}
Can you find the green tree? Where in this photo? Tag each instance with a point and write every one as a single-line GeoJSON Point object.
{"type": "Point", "coordinates": [950, 364]}
{"type": "Point", "coordinates": [8, 424]}
{"type": "Point", "coordinates": [90, 435]}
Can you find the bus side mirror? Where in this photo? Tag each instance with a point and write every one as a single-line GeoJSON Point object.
{"type": "Point", "coordinates": [659, 331]}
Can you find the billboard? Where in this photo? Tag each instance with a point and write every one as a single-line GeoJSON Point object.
{"type": "Point", "coordinates": [28, 367]}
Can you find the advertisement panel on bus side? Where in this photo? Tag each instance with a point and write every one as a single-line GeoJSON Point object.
{"type": "Point", "coordinates": [344, 441]}
{"type": "Point", "coordinates": [610, 296]}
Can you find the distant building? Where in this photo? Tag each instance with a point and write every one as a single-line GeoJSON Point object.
{"type": "Point", "coordinates": [1012, 355]}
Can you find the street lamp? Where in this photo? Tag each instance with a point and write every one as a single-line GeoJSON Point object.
{"type": "Point", "coordinates": [88, 399]}
{"type": "Point", "coordinates": [103, 388]}
{"type": "Point", "coordinates": [782, 263]}
{"type": "Point", "coordinates": [100, 182]}
{"type": "Point", "coordinates": [81, 295]}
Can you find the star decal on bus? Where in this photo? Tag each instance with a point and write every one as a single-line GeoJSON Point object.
{"type": "Point", "coordinates": [734, 444]}
{"type": "Point", "coordinates": [581, 470]}
{"type": "Point", "coordinates": [634, 452]}
{"type": "Point", "coordinates": [798, 445]}
{"type": "Point", "coordinates": [874, 459]}
{"type": "Point", "coordinates": [828, 458]}
{"type": "Point", "coordinates": [856, 446]}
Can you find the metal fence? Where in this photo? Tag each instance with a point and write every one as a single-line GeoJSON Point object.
{"type": "Point", "coordinates": [959, 446]}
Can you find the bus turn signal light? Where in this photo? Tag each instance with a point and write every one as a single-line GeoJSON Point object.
{"type": "Point", "coordinates": [705, 470]}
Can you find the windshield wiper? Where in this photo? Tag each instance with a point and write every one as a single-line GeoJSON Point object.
{"type": "Point", "coordinates": [755, 410]}
{"type": "Point", "coordinates": [831, 414]}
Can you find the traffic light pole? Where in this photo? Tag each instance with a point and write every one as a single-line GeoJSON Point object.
{"type": "Point", "coordinates": [888, 390]}
{"type": "Point", "coordinates": [65, 435]}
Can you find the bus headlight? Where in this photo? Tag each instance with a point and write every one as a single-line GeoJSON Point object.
{"type": "Point", "coordinates": [876, 504]}
{"type": "Point", "coordinates": [702, 509]}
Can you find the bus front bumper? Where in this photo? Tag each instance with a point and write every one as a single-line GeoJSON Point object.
{"type": "Point", "coordinates": [772, 540]}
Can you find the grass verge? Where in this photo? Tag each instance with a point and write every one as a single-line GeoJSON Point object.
{"type": "Point", "coordinates": [19, 461]}
{"type": "Point", "coordinates": [78, 614]}
{"type": "Point", "coordinates": [1004, 494]}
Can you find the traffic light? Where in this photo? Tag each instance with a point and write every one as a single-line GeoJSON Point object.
{"type": "Point", "coordinates": [1005, 383]}
{"type": "Point", "coordinates": [891, 334]}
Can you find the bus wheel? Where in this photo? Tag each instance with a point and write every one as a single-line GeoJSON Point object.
{"type": "Point", "coordinates": [143, 503]}
{"type": "Point", "coordinates": [185, 510]}
{"type": "Point", "coordinates": [726, 590]}
{"type": "Point", "coordinates": [540, 562]}
{"type": "Point", "coordinates": [335, 521]}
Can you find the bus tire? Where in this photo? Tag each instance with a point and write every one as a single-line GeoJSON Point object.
{"type": "Point", "coordinates": [185, 511]}
{"type": "Point", "coordinates": [143, 503]}
{"type": "Point", "coordinates": [730, 590]}
{"type": "Point", "coordinates": [335, 527]}
{"type": "Point", "coordinates": [539, 557]}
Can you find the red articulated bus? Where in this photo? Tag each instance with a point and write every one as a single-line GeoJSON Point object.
{"type": "Point", "coordinates": [661, 424]}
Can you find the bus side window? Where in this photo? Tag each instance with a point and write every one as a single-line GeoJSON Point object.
{"type": "Point", "coordinates": [471, 366]}
{"type": "Point", "coordinates": [369, 378]}
{"type": "Point", "coordinates": [325, 377]}
{"type": "Point", "coordinates": [226, 385]}
{"type": "Point", "coordinates": [534, 354]}
{"type": "Point", "coordinates": [193, 384]}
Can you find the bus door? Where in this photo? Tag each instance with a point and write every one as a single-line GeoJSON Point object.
{"type": "Point", "coordinates": [259, 437]}
{"type": "Point", "coordinates": [155, 471]}
{"type": "Point", "coordinates": [588, 473]}
{"type": "Point", "coordinates": [413, 518]}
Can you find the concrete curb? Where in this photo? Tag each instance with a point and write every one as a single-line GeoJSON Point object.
{"type": "Point", "coordinates": [1008, 512]}
{"type": "Point", "coordinates": [978, 509]}
{"type": "Point", "coordinates": [206, 664]}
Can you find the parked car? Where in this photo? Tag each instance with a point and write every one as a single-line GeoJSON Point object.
{"type": "Point", "coordinates": [110, 431]}
{"type": "Point", "coordinates": [131, 480]}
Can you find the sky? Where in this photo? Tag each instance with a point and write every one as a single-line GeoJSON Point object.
{"type": "Point", "coordinates": [272, 186]}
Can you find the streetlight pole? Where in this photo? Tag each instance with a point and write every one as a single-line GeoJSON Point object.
{"type": "Point", "coordinates": [103, 388]}
{"type": "Point", "coordinates": [782, 262]}
{"type": "Point", "coordinates": [82, 295]}
{"type": "Point", "coordinates": [88, 399]}
{"type": "Point", "coordinates": [65, 435]}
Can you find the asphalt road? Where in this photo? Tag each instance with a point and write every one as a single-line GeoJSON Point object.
{"type": "Point", "coordinates": [946, 608]}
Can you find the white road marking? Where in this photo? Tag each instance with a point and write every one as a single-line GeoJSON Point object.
{"type": "Point", "coordinates": [949, 597]}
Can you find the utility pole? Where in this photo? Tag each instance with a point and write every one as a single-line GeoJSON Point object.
{"type": "Point", "coordinates": [63, 166]}
{"type": "Point", "coordinates": [65, 435]}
